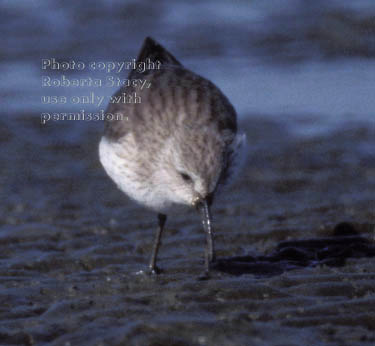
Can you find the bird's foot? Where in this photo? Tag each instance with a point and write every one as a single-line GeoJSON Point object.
{"type": "Point", "coordinates": [204, 276]}
{"type": "Point", "coordinates": [154, 270]}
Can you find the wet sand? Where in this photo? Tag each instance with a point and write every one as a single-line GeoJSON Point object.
{"type": "Point", "coordinates": [72, 245]}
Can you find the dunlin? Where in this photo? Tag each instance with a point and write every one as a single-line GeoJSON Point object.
{"type": "Point", "coordinates": [177, 146]}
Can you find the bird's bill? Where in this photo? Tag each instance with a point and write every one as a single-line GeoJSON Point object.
{"type": "Point", "coordinates": [204, 208]}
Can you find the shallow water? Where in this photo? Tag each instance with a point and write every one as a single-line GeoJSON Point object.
{"type": "Point", "coordinates": [296, 59]}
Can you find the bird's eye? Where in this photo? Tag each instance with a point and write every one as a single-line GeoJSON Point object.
{"type": "Point", "coordinates": [185, 176]}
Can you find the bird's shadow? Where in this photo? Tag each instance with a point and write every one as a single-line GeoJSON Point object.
{"type": "Point", "coordinates": [345, 242]}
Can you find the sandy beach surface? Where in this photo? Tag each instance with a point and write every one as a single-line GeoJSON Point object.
{"type": "Point", "coordinates": [294, 235]}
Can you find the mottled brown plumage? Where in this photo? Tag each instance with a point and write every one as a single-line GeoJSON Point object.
{"type": "Point", "coordinates": [177, 146]}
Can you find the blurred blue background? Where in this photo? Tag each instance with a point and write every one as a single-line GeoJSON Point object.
{"type": "Point", "coordinates": [309, 64]}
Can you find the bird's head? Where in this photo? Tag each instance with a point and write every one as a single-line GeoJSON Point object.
{"type": "Point", "coordinates": [193, 161]}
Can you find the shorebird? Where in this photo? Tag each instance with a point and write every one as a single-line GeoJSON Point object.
{"type": "Point", "coordinates": [178, 146]}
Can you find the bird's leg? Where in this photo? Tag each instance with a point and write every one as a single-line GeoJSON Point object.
{"type": "Point", "coordinates": [153, 268]}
